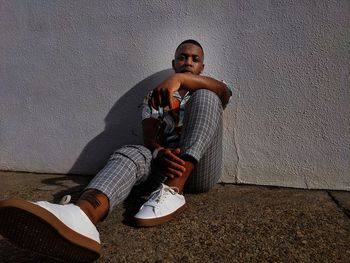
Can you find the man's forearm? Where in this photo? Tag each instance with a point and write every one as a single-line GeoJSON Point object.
{"type": "Point", "coordinates": [151, 133]}
{"type": "Point", "coordinates": [194, 82]}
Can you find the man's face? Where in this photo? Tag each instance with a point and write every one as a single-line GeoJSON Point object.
{"type": "Point", "coordinates": [188, 59]}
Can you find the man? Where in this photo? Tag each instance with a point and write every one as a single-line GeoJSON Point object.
{"type": "Point", "coordinates": [182, 128]}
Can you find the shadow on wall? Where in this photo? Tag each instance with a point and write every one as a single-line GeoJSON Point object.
{"type": "Point", "coordinates": [123, 126]}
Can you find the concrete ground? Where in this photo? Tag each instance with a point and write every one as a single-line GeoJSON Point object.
{"type": "Point", "coordinates": [231, 223]}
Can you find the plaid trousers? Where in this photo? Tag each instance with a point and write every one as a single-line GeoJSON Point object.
{"type": "Point", "coordinates": [201, 138]}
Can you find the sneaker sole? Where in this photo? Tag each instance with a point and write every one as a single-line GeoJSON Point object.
{"type": "Point", "coordinates": [33, 227]}
{"type": "Point", "coordinates": [159, 220]}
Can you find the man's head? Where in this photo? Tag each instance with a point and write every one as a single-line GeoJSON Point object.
{"type": "Point", "coordinates": [189, 58]}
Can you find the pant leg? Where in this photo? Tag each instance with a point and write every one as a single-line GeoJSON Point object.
{"type": "Point", "coordinates": [128, 166]}
{"type": "Point", "coordinates": [202, 139]}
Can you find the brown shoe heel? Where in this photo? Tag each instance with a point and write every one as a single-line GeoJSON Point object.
{"type": "Point", "coordinates": [32, 227]}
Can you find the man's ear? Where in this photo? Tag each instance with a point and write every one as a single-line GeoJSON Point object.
{"type": "Point", "coordinates": [172, 64]}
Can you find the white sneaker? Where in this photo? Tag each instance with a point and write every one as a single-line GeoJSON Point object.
{"type": "Point", "coordinates": [163, 205]}
{"type": "Point", "coordinates": [60, 231]}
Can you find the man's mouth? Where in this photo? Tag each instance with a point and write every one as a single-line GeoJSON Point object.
{"type": "Point", "coordinates": [186, 70]}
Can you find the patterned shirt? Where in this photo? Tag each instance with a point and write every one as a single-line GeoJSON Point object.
{"type": "Point", "coordinates": [171, 121]}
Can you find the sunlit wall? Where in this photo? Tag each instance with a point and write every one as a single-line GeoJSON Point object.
{"type": "Point", "coordinates": [73, 75]}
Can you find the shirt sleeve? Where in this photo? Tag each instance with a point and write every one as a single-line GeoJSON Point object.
{"type": "Point", "coordinates": [147, 110]}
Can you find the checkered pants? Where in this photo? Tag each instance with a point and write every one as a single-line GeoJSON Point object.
{"type": "Point", "coordinates": [201, 138]}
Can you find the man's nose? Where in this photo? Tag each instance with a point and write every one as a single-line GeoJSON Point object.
{"type": "Point", "coordinates": [188, 61]}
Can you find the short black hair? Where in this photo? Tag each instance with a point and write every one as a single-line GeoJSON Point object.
{"type": "Point", "coordinates": [190, 41]}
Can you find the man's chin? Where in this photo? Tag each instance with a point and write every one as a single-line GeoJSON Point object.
{"type": "Point", "coordinates": [186, 72]}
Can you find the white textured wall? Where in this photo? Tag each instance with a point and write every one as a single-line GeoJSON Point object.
{"type": "Point", "coordinates": [73, 73]}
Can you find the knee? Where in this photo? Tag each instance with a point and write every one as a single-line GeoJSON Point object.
{"type": "Point", "coordinates": [207, 96]}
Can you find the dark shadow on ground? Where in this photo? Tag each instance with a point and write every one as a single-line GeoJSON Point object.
{"type": "Point", "coordinates": [71, 185]}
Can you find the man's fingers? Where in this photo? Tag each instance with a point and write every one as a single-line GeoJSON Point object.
{"type": "Point", "coordinates": [161, 98]}
{"type": "Point", "coordinates": [154, 100]}
{"type": "Point", "coordinates": [173, 165]}
{"type": "Point", "coordinates": [169, 100]}
{"type": "Point", "coordinates": [157, 99]}
{"type": "Point", "coordinates": [169, 175]}
{"type": "Point", "coordinates": [172, 173]}
{"type": "Point", "coordinates": [170, 154]}
{"type": "Point", "coordinates": [172, 157]}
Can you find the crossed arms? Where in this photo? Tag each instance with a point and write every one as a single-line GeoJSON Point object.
{"type": "Point", "coordinates": [162, 96]}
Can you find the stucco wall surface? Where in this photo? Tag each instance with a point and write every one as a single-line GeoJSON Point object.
{"type": "Point", "coordinates": [73, 75]}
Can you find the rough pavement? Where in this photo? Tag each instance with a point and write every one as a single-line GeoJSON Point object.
{"type": "Point", "coordinates": [231, 223]}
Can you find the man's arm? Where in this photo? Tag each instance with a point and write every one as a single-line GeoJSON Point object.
{"type": "Point", "coordinates": [151, 128]}
{"type": "Point", "coordinates": [162, 94]}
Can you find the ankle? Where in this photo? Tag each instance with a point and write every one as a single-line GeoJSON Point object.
{"type": "Point", "coordinates": [94, 204]}
{"type": "Point", "coordinates": [179, 182]}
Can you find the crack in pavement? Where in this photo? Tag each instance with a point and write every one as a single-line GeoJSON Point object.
{"type": "Point", "coordinates": [335, 200]}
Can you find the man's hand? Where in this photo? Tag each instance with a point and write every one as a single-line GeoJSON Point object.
{"type": "Point", "coordinates": [171, 165]}
{"type": "Point", "coordinates": [162, 95]}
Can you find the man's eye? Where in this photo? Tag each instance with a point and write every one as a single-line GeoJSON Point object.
{"type": "Point", "coordinates": [196, 59]}
{"type": "Point", "coordinates": [181, 58]}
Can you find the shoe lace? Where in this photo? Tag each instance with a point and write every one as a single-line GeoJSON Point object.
{"type": "Point", "coordinates": [160, 194]}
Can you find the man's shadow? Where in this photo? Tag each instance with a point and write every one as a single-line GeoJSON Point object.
{"type": "Point", "coordinates": [123, 126]}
